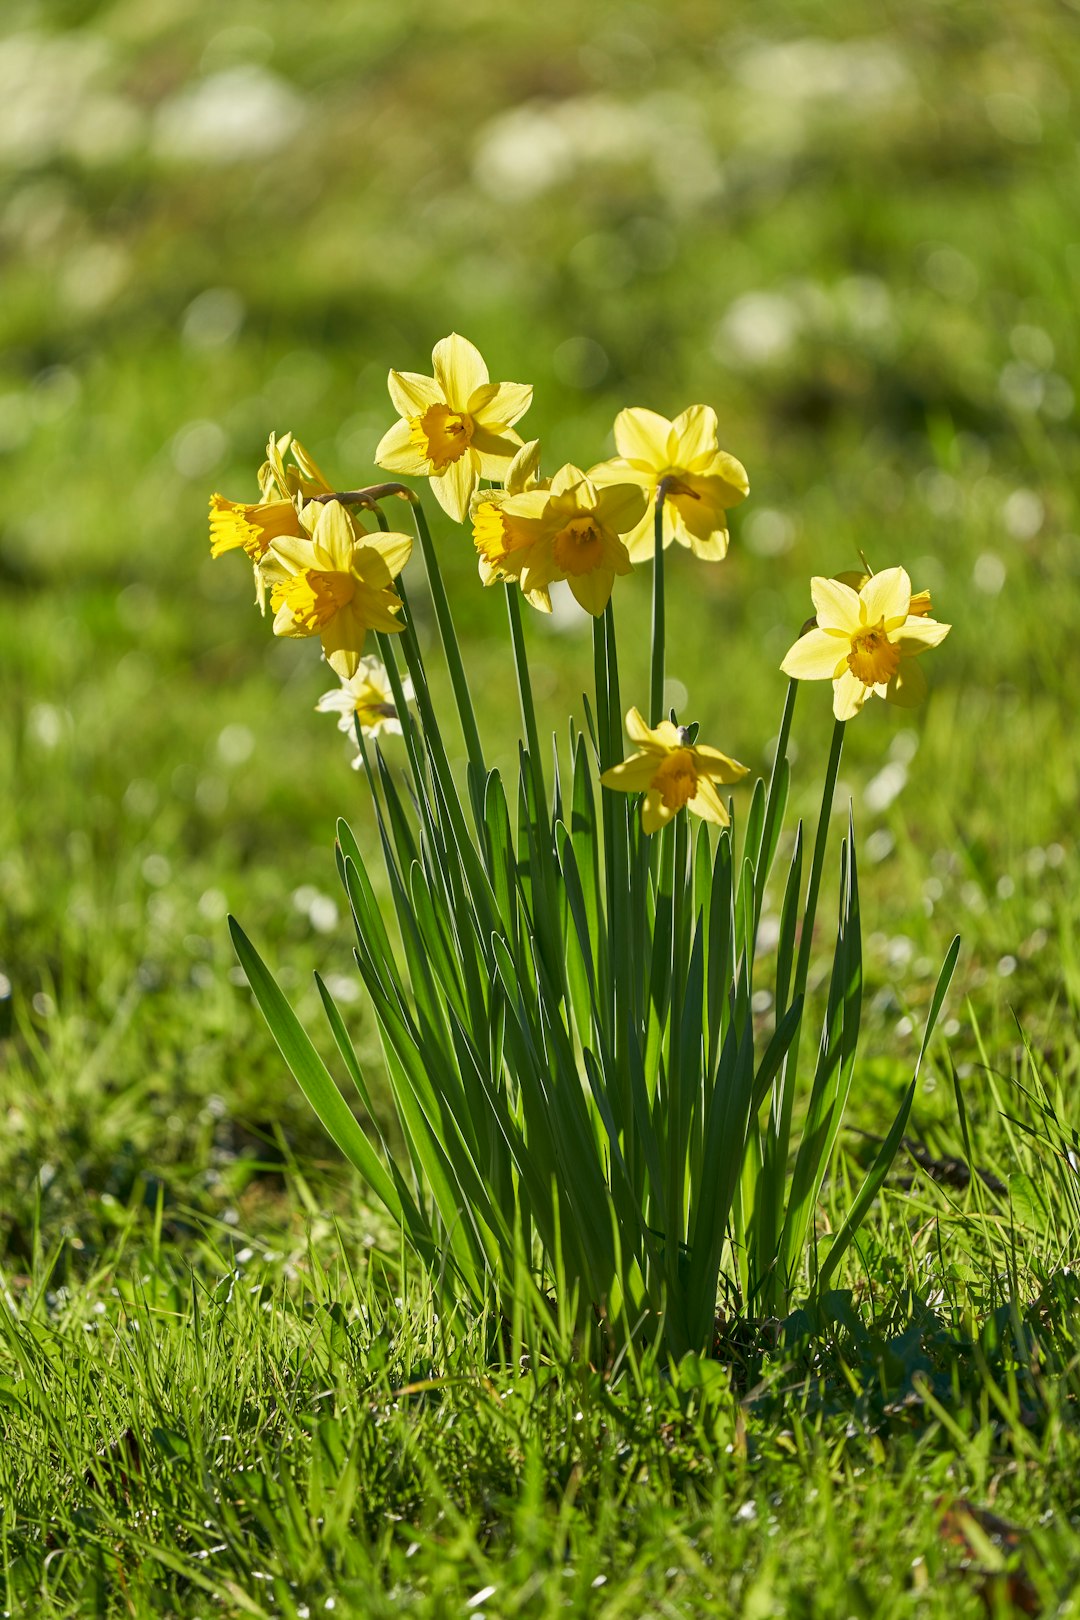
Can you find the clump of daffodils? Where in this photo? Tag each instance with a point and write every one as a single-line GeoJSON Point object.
{"type": "Point", "coordinates": [568, 1012]}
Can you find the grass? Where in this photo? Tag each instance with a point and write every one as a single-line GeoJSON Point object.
{"type": "Point", "coordinates": [853, 231]}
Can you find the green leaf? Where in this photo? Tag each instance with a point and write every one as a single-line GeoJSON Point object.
{"type": "Point", "coordinates": [311, 1074]}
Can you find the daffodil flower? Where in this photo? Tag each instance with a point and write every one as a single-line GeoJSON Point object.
{"type": "Point", "coordinates": [368, 699]}
{"type": "Point", "coordinates": [866, 641]}
{"type": "Point", "coordinates": [501, 538]}
{"type": "Point", "coordinates": [672, 772]}
{"type": "Point", "coordinates": [335, 583]}
{"type": "Point", "coordinates": [700, 480]}
{"type": "Point", "coordinates": [456, 427]}
{"type": "Point", "coordinates": [252, 526]}
{"type": "Point", "coordinates": [576, 537]}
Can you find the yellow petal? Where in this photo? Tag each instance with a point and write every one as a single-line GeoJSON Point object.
{"type": "Point", "coordinates": [693, 434]}
{"type": "Point", "coordinates": [459, 370]}
{"type": "Point", "coordinates": [494, 452]}
{"type": "Point", "coordinates": [453, 487]}
{"type": "Point", "coordinates": [524, 469]}
{"type": "Point", "coordinates": [885, 596]}
{"type": "Point", "coordinates": [654, 812]}
{"type": "Point", "coordinates": [501, 404]}
{"type": "Point", "coordinates": [907, 689]}
{"type": "Point", "coordinates": [593, 590]}
{"type": "Point", "coordinates": [711, 763]}
{"type": "Point", "coordinates": [335, 534]}
{"type": "Point", "coordinates": [620, 507]}
{"type": "Point", "coordinates": [633, 775]}
{"type": "Point", "coordinates": [708, 804]}
{"type": "Point", "coordinates": [567, 480]}
{"type": "Point", "coordinates": [537, 597]}
{"type": "Point", "coordinates": [836, 605]}
{"type": "Point", "coordinates": [394, 549]}
{"type": "Point", "coordinates": [412, 393]}
{"type": "Point", "coordinates": [720, 484]}
{"type": "Point", "coordinates": [292, 552]}
{"type": "Point", "coordinates": [620, 471]}
{"type": "Point", "coordinates": [642, 435]}
{"type": "Point", "coordinates": [817, 656]}
{"type": "Point", "coordinates": [917, 633]}
{"type": "Point", "coordinates": [640, 543]}
{"type": "Point", "coordinates": [397, 453]}
{"type": "Point", "coordinates": [710, 548]}
{"type": "Point", "coordinates": [849, 695]}
{"type": "Point", "coordinates": [639, 731]}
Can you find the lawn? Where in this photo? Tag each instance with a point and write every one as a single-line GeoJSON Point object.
{"type": "Point", "coordinates": [224, 1389]}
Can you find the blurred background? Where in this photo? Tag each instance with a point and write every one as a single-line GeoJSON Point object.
{"type": "Point", "coordinates": [852, 229]}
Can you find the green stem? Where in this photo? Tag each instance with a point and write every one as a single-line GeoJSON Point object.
{"type": "Point", "coordinates": [784, 1091]}
{"type": "Point", "coordinates": [450, 644]}
{"type": "Point", "coordinates": [656, 683]}
{"type": "Point", "coordinates": [528, 711]}
{"type": "Point", "coordinates": [802, 965]}
{"type": "Point", "coordinates": [772, 806]}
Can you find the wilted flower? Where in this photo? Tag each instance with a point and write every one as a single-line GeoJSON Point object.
{"type": "Point", "coordinates": [335, 583]}
{"type": "Point", "coordinates": [672, 772]}
{"type": "Point", "coordinates": [700, 480]}
{"type": "Point", "coordinates": [866, 641]}
{"type": "Point", "coordinates": [456, 427]}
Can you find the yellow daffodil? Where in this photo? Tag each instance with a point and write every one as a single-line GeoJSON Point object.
{"type": "Point", "coordinates": [335, 582]}
{"type": "Point", "coordinates": [700, 480]}
{"type": "Point", "coordinates": [576, 538]}
{"type": "Point", "coordinates": [866, 641]}
{"type": "Point", "coordinates": [252, 526]}
{"type": "Point", "coordinates": [501, 538]}
{"type": "Point", "coordinates": [672, 772]}
{"type": "Point", "coordinates": [366, 697]}
{"type": "Point", "coordinates": [456, 427]}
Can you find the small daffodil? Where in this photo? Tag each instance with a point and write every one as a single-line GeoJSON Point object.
{"type": "Point", "coordinates": [866, 641]}
{"type": "Point", "coordinates": [366, 698]}
{"type": "Point", "coordinates": [700, 481]}
{"type": "Point", "coordinates": [672, 772]}
{"type": "Point", "coordinates": [456, 427]}
{"type": "Point", "coordinates": [335, 583]}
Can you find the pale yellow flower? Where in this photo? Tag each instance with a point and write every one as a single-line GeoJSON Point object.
{"type": "Point", "coordinates": [501, 538]}
{"type": "Point", "coordinates": [335, 583]}
{"type": "Point", "coordinates": [672, 772]}
{"type": "Point", "coordinates": [577, 537]}
{"type": "Point", "coordinates": [366, 698]}
{"type": "Point", "coordinates": [866, 641]}
{"type": "Point", "coordinates": [456, 427]}
{"type": "Point", "coordinates": [700, 480]}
